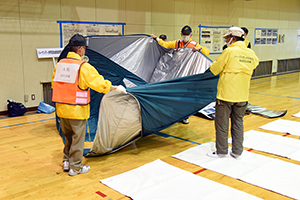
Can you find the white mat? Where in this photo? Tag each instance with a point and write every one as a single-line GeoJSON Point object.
{"type": "Point", "coordinates": [297, 114]}
{"type": "Point", "coordinates": [272, 174]}
{"type": "Point", "coordinates": [283, 126]}
{"type": "Point", "coordinates": [161, 181]}
{"type": "Point", "coordinates": [274, 144]}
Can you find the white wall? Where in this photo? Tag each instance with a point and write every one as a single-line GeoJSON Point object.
{"type": "Point", "coordinates": [29, 24]}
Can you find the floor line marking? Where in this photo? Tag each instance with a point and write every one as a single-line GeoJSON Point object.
{"type": "Point", "coordinates": [43, 120]}
{"type": "Point", "coordinates": [275, 95]}
{"type": "Point", "coordinates": [167, 135]}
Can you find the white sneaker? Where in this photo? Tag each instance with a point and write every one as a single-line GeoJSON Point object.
{"type": "Point", "coordinates": [185, 121]}
{"type": "Point", "coordinates": [238, 157]}
{"type": "Point", "coordinates": [66, 166]}
{"type": "Point", "coordinates": [83, 170]}
{"type": "Point", "coordinates": [215, 155]}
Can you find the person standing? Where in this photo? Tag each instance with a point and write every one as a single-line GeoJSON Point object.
{"type": "Point", "coordinates": [71, 82]}
{"type": "Point", "coordinates": [247, 42]}
{"type": "Point", "coordinates": [184, 42]}
{"type": "Point", "coordinates": [235, 66]}
{"type": "Point", "coordinates": [163, 37]}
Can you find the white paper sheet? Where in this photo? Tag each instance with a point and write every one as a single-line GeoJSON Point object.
{"type": "Point", "coordinates": [161, 181]}
{"type": "Point", "coordinates": [274, 144]}
{"type": "Point", "coordinates": [272, 174]}
{"type": "Point", "coordinates": [283, 126]}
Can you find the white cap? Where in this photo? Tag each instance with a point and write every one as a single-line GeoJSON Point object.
{"type": "Point", "coordinates": [234, 31]}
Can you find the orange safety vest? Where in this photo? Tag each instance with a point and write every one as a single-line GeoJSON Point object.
{"type": "Point", "coordinates": [65, 83]}
{"type": "Point", "coordinates": [191, 44]}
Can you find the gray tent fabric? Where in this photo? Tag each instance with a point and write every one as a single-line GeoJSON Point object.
{"type": "Point", "coordinates": [119, 122]}
{"type": "Point", "coordinates": [179, 63]}
{"type": "Point", "coordinates": [144, 57]}
{"type": "Point", "coordinates": [138, 54]}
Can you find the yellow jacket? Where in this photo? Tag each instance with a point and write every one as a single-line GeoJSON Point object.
{"type": "Point", "coordinates": [172, 44]}
{"type": "Point", "coordinates": [88, 78]}
{"type": "Point", "coordinates": [235, 66]}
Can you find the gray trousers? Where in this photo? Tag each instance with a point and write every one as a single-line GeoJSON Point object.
{"type": "Point", "coordinates": [74, 132]}
{"type": "Point", "coordinates": [235, 111]}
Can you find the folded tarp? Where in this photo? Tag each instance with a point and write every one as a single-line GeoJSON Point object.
{"type": "Point", "coordinates": [134, 62]}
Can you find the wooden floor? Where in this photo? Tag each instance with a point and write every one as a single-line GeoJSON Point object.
{"type": "Point", "coordinates": [31, 150]}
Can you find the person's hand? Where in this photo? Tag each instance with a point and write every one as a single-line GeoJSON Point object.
{"type": "Point", "coordinates": [197, 48]}
{"type": "Point", "coordinates": [120, 88]}
{"type": "Point", "coordinates": [112, 87]}
{"type": "Point", "coordinates": [153, 36]}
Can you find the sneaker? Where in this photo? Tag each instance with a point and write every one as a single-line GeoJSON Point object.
{"type": "Point", "coordinates": [66, 166]}
{"type": "Point", "coordinates": [185, 121]}
{"type": "Point", "coordinates": [215, 155]}
{"type": "Point", "coordinates": [238, 157]}
{"type": "Point", "coordinates": [83, 170]}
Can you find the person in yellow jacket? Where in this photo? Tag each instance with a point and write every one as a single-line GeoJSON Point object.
{"type": "Point", "coordinates": [235, 66]}
{"type": "Point", "coordinates": [247, 42]}
{"type": "Point", "coordinates": [184, 42]}
{"type": "Point", "coordinates": [71, 81]}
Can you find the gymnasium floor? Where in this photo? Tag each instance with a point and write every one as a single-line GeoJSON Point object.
{"type": "Point", "coordinates": [31, 150]}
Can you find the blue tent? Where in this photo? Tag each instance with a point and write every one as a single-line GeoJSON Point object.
{"type": "Point", "coordinates": [164, 86]}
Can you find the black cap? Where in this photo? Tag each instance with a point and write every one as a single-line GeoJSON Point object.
{"type": "Point", "coordinates": [186, 30]}
{"type": "Point", "coordinates": [163, 37]}
{"type": "Point", "coordinates": [77, 40]}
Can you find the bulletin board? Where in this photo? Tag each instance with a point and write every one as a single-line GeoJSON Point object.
{"type": "Point", "coordinates": [69, 28]}
{"type": "Point", "coordinates": [211, 37]}
{"type": "Point", "coordinates": [265, 36]}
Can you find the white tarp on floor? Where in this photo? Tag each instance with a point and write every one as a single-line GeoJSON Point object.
{"type": "Point", "coordinates": [283, 126]}
{"type": "Point", "coordinates": [161, 181]}
{"type": "Point", "coordinates": [269, 173]}
{"type": "Point", "coordinates": [271, 143]}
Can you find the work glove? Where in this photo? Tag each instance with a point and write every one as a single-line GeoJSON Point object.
{"type": "Point", "coordinates": [120, 88]}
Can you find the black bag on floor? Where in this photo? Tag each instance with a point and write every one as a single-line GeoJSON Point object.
{"type": "Point", "coordinates": [15, 109]}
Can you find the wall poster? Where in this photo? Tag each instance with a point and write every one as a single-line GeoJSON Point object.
{"type": "Point", "coordinates": [212, 37]}
{"type": "Point", "coordinates": [264, 36]}
{"type": "Point", "coordinates": [69, 28]}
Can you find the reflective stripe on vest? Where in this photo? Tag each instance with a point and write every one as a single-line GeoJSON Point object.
{"type": "Point", "coordinates": [191, 44]}
{"type": "Point", "coordinates": [65, 83]}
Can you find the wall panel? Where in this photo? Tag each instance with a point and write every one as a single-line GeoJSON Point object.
{"type": "Point", "coordinates": [11, 76]}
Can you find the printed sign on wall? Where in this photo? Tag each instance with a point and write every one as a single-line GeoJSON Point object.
{"type": "Point", "coordinates": [69, 28]}
{"type": "Point", "coordinates": [265, 36]}
{"type": "Point", "coordinates": [211, 37]}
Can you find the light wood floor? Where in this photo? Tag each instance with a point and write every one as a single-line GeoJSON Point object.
{"type": "Point", "coordinates": [31, 150]}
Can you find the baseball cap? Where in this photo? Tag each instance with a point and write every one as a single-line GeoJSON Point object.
{"type": "Point", "coordinates": [186, 30]}
{"type": "Point", "coordinates": [77, 40]}
{"type": "Point", "coordinates": [163, 37]}
{"type": "Point", "coordinates": [234, 31]}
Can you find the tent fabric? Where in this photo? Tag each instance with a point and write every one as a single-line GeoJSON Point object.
{"type": "Point", "coordinates": [119, 122]}
{"type": "Point", "coordinates": [168, 85]}
{"type": "Point", "coordinates": [167, 102]}
{"type": "Point", "coordinates": [178, 63]}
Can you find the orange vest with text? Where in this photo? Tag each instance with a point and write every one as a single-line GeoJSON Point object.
{"type": "Point", "coordinates": [191, 44]}
{"type": "Point", "coordinates": [65, 83]}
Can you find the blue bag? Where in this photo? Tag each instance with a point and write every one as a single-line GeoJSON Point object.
{"type": "Point", "coordinates": [45, 108]}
